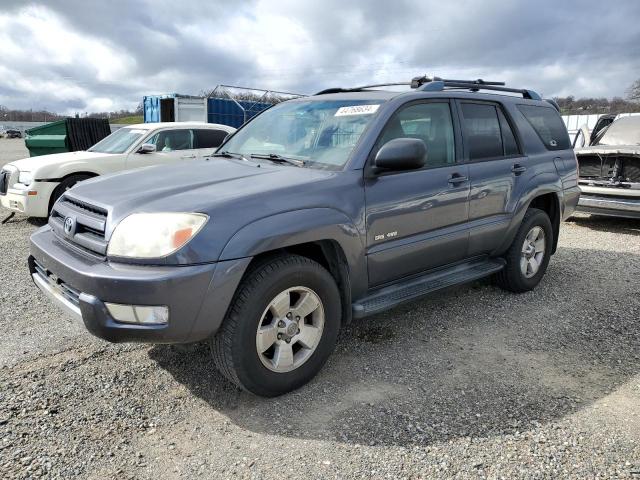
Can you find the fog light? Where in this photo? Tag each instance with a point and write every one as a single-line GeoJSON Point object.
{"type": "Point", "coordinates": [139, 314]}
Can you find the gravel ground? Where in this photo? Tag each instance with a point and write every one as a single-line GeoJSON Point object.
{"type": "Point", "coordinates": [470, 383]}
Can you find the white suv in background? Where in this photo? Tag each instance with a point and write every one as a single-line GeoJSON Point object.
{"type": "Point", "coordinates": [32, 185]}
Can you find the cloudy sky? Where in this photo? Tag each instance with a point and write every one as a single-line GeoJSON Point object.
{"type": "Point", "coordinates": [90, 55]}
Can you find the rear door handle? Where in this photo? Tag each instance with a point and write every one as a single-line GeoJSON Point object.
{"type": "Point", "coordinates": [518, 169]}
{"type": "Point", "coordinates": [456, 178]}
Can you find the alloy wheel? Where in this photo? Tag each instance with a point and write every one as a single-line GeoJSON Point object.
{"type": "Point", "coordinates": [290, 329]}
{"type": "Point", "coordinates": [532, 253]}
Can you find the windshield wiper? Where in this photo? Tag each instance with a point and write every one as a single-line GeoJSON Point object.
{"type": "Point", "coordinates": [227, 154]}
{"type": "Point", "coordinates": [274, 157]}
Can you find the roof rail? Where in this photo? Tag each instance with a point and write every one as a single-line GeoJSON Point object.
{"type": "Point", "coordinates": [438, 84]}
{"type": "Point", "coordinates": [363, 87]}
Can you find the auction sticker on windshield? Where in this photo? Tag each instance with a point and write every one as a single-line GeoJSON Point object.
{"type": "Point", "coordinates": [356, 110]}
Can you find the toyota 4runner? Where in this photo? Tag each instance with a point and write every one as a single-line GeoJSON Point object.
{"type": "Point", "coordinates": [319, 210]}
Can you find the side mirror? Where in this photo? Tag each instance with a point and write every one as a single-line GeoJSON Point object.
{"type": "Point", "coordinates": [147, 148]}
{"type": "Point", "coordinates": [401, 154]}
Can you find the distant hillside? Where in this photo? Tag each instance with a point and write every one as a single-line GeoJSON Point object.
{"type": "Point", "coordinates": [128, 120]}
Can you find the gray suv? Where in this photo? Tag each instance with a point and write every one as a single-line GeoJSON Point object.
{"type": "Point", "coordinates": [321, 209]}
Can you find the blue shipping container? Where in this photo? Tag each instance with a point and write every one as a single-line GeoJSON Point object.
{"type": "Point", "coordinates": [227, 112]}
{"type": "Point", "coordinates": [151, 108]}
{"type": "Point", "coordinates": [219, 110]}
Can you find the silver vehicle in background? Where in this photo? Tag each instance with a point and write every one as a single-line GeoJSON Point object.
{"type": "Point", "coordinates": [609, 170]}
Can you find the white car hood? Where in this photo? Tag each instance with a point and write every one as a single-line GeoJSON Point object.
{"type": "Point", "coordinates": [33, 164]}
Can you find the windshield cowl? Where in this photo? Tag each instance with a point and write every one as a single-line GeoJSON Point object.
{"type": "Point", "coordinates": [274, 157]}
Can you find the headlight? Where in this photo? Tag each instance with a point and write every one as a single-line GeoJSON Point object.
{"type": "Point", "coordinates": [25, 178]}
{"type": "Point", "coordinates": [154, 235]}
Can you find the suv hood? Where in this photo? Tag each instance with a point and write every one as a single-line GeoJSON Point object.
{"type": "Point", "coordinates": [232, 193]}
{"type": "Point", "coordinates": [33, 164]}
{"type": "Point", "coordinates": [205, 186]}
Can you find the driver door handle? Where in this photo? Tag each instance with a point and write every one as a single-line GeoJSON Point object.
{"type": "Point", "coordinates": [518, 169]}
{"type": "Point", "coordinates": [456, 178]}
{"type": "Point", "coordinates": [189, 156]}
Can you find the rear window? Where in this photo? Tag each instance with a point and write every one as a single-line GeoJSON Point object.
{"type": "Point", "coordinates": [548, 125]}
{"type": "Point", "coordinates": [209, 138]}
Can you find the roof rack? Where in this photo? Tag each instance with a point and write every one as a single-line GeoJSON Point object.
{"type": "Point", "coordinates": [437, 84]}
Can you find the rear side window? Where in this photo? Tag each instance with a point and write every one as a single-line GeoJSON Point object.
{"type": "Point", "coordinates": [208, 138]}
{"type": "Point", "coordinates": [482, 129]}
{"type": "Point", "coordinates": [548, 125]}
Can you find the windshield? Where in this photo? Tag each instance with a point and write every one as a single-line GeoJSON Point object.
{"type": "Point", "coordinates": [119, 141]}
{"type": "Point", "coordinates": [321, 133]}
{"type": "Point", "coordinates": [624, 131]}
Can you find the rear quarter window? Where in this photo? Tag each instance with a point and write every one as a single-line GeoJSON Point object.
{"type": "Point", "coordinates": [209, 138]}
{"type": "Point", "coordinates": [548, 125]}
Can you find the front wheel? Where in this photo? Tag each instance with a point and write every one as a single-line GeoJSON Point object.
{"type": "Point", "coordinates": [281, 327]}
{"type": "Point", "coordinates": [529, 254]}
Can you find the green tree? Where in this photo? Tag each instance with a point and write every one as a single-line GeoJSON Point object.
{"type": "Point", "coordinates": [634, 91]}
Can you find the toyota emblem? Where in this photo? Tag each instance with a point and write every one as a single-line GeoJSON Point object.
{"type": "Point", "coordinates": [69, 225]}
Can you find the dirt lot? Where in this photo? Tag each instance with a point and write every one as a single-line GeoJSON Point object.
{"type": "Point", "coordinates": [471, 383]}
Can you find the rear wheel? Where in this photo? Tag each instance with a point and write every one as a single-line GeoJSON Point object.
{"type": "Point", "coordinates": [65, 185]}
{"type": "Point", "coordinates": [281, 327]}
{"type": "Point", "coordinates": [528, 256]}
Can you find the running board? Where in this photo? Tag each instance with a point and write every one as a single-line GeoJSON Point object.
{"type": "Point", "coordinates": [388, 297]}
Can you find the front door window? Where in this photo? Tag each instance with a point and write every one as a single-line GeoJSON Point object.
{"type": "Point", "coordinates": [172, 140]}
{"type": "Point", "coordinates": [429, 122]}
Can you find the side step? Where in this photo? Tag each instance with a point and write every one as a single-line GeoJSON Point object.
{"type": "Point", "coordinates": [390, 296]}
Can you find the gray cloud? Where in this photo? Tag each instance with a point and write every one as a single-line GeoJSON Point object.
{"type": "Point", "coordinates": [78, 55]}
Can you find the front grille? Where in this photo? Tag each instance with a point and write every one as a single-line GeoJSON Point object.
{"type": "Point", "coordinates": [4, 181]}
{"type": "Point", "coordinates": [632, 170]}
{"type": "Point", "coordinates": [87, 222]}
{"type": "Point", "coordinates": [8, 176]}
{"type": "Point", "coordinates": [63, 288]}
{"type": "Point", "coordinates": [84, 206]}
{"type": "Point", "coordinates": [589, 166]}
{"type": "Point", "coordinates": [609, 168]}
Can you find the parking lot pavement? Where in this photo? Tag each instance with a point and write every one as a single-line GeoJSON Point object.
{"type": "Point", "coordinates": [12, 149]}
{"type": "Point", "coordinates": [28, 324]}
{"type": "Point", "coordinates": [473, 382]}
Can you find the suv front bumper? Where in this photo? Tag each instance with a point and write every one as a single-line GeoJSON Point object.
{"type": "Point", "coordinates": [197, 295]}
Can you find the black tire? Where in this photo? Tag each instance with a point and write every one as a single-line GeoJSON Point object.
{"type": "Point", "coordinates": [65, 185]}
{"type": "Point", "coordinates": [511, 277]}
{"type": "Point", "coordinates": [234, 345]}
